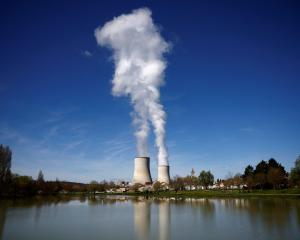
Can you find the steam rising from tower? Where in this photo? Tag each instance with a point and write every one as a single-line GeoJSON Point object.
{"type": "Point", "coordinates": [139, 71]}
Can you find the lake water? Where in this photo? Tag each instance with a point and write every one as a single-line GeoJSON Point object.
{"type": "Point", "coordinates": [114, 217]}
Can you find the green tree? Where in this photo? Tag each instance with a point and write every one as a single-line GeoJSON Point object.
{"type": "Point", "coordinates": [5, 164]}
{"type": "Point", "coordinates": [261, 167]}
{"type": "Point", "coordinates": [93, 186]}
{"type": "Point", "coordinates": [206, 178]}
{"type": "Point", "coordinates": [270, 174]}
{"type": "Point", "coordinates": [260, 174]}
{"type": "Point", "coordinates": [295, 173]}
{"type": "Point", "coordinates": [248, 177]}
{"type": "Point", "coordinates": [272, 163]}
{"type": "Point", "coordinates": [23, 185]}
{"type": "Point", "coordinates": [41, 186]}
{"type": "Point", "coordinates": [249, 171]}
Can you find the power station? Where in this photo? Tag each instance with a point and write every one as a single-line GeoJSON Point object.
{"type": "Point", "coordinates": [163, 175]}
{"type": "Point", "coordinates": [142, 175]}
{"type": "Point", "coordinates": [139, 74]}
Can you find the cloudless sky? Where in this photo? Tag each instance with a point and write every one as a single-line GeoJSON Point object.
{"type": "Point", "coordinates": [232, 92]}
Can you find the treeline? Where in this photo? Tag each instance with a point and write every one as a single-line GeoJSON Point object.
{"type": "Point", "coordinates": [266, 175]}
{"type": "Point", "coordinates": [14, 185]}
{"type": "Point", "coordinates": [192, 182]}
{"type": "Point", "coordinates": [19, 186]}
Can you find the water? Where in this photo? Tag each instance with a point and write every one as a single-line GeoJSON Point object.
{"type": "Point", "coordinates": [122, 217]}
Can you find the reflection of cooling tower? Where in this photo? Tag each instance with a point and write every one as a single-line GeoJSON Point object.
{"type": "Point", "coordinates": [164, 220]}
{"type": "Point", "coordinates": [163, 174]}
{"type": "Point", "coordinates": [142, 170]}
{"type": "Point", "coordinates": [142, 219]}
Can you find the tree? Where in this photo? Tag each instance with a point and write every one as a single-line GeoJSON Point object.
{"type": "Point", "coordinates": [249, 171]}
{"type": "Point", "coordinates": [260, 179]}
{"type": "Point", "coordinates": [177, 183]}
{"type": "Point", "coordinates": [249, 180]}
{"type": "Point", "coordinates": [270, 174]}
{"type": "Point", "coordinates": [23, 185]}
{"type": "Point", "coordinates": [41, 182]}
{"type": "Point", "coordinates": [237, 180]}
{"type": "Point", "coordinates": [93, 186]}
{"type": "Point", "coordinates": [260, 174]}
{"type": "Point", "coordinates": [206, 178]}
{"type": "Point", "coordinates": [248, 176]}
{"type": "Point", "coordinates": [135, 187]}
{"type": "Point", "coordinates": [5, 163]}
{"type": "Point", "coordinates": [111, 185]}
{"type": "Point", "coordinates": [228, 182]}
{"type": "Point", "coordinates": [40, 178]}
{"type": "Point", "coordinates": [193, 172]}
{"type": "Point", "coordinates": [157, 186]}
{"type": "Point", "coordinates": [261, 167]}
{"type": "Point", "coordinates": [102, 186]}
{"type": "Point", "coordinates": [272, 163]}
{"type": "Point", "coordinates": [190, 181]}
{"type": "Point", "coordinates": [58, 186]}
{"type": "Point", "coordinates": [276, 176]}
{"type": "Point", "coordinates": [295, 173]}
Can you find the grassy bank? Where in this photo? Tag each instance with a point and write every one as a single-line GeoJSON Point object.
{"type": "Point", "coordinates": [285, 193]}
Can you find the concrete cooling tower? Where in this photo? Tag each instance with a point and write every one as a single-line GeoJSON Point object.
{"type": "Point", "coordinates": [141, 172]}
{"type": "Point", "coordinates": [163, 174]}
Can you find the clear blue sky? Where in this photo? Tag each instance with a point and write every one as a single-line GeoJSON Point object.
{"type": "Point", "coordinates": [232, 90]}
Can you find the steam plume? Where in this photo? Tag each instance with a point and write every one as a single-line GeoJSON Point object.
{"type": "Point", "coordinates": [139, 66]}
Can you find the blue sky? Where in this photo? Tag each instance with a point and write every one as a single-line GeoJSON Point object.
{"type": "Point", "coordinates": [231, 93]}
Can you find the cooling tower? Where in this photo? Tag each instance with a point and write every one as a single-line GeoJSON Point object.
{"type": "Point", "coordinates": [142, 170]}
{"type": "Point", "coordinates": [163, 174]}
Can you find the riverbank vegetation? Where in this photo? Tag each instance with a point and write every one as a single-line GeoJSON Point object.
{"type": "Point", "coordinates": [219, 193]}
{"type": "Point", "coordinates": [267, 178]}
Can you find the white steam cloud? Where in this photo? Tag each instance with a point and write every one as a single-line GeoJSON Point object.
{"type": "Point", "coordinates": [139, 71]}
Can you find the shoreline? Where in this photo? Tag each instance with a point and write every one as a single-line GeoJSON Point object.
{"type": "Point", "coordinates": [286, 193]}
{"type": "Point", "coordinates": [216, 194]}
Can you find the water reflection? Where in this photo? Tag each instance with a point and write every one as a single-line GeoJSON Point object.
{"type": "Point", "coordinates": [164, 220]}
{"type": "Point", "coordinates": [3, 206]}
{"type": "Point", "coordinates": [142, 219]}
{"type": "Point", "coordinates": [159, 218]}
{"type": "Point", "coordinates": [277, 217]}
{"type": "Point", "coordinates": [143, 208]}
